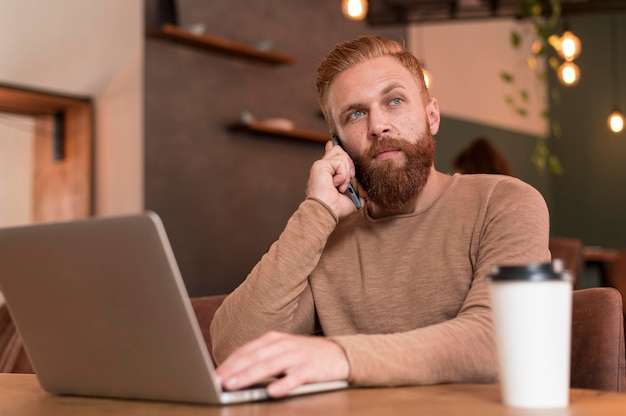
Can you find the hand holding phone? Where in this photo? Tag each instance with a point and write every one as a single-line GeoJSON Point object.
{"type": "Point", "coordinates": [351, 191]}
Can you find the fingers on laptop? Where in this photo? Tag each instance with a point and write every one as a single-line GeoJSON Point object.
{"type": "Point", "coordinates": [295, 359]}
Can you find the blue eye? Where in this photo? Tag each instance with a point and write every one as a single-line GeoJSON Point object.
{"type": "Point", "coordinates": [356, 114]}
{"type": "Point", "coordinates": [396, 101]}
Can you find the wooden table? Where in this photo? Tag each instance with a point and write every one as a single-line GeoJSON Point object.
{"type": "Point", "coordinates": [20, 395]}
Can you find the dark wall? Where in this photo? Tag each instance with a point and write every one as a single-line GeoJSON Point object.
{"type": "Point", "coordinates": [225, 196]}
{"type": "Point", "coordinates": [455, 134]}
{"type": "Point", "coordinates": [590, 198]}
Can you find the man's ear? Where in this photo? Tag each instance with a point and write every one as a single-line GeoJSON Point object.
{"type": "Point", "coordinates": [432, 111]}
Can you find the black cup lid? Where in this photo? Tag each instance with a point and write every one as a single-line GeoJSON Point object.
{"type": "Point", "coordinates": [534, 272]}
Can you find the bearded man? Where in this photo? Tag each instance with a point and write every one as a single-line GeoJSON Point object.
{"type": "Point", "coordinates": [396, 289]}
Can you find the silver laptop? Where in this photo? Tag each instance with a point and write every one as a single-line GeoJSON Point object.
{"type": "Point", "coordinates": [103, 311]}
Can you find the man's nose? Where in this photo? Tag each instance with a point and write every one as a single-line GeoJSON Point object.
{"type": "Point", "coordinates": [378, 124]}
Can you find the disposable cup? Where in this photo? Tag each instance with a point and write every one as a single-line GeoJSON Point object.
{"type": "Point", "coordinates": [532, 317]}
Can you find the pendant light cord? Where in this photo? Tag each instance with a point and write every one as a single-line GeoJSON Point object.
{"type": "Point", "coordinates": [614, 63]}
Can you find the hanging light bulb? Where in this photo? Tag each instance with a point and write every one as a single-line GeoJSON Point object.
{"type": "Point", "coordinates": [354, 9]}
{"type": "Point", "coordinates": [569, 46]}
{"type": "Point", "coordinates": [569, 74]}
{"type": "Point", "coordinates": [616, 121]}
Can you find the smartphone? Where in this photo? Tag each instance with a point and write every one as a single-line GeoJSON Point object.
{"type": "Point", "coordinates": [354, 196]}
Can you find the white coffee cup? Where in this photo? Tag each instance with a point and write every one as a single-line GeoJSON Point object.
{"type": "Point", "coordinates": [532, 317]}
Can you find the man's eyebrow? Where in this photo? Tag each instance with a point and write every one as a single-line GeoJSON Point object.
{"type": "Point", "coordinates": [392, 87]}
{"type": "Point", "coordinates": [349, 108]}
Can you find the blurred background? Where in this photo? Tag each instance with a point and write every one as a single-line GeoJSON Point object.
{"type": "Point", "coordinates": [110, 107]}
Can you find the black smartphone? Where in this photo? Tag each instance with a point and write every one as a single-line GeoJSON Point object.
{"type": "Point", "coordinates": [352, 193]}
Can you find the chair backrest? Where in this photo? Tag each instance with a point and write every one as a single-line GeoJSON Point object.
{"type": "Point", "coordinates": [13, 357]}
{"type": "Point", "coordinates": [598, 351]}
{"type": "Point", "coordinates": [570, 250]}
{"type": "Point", "coordinates": [205, 308]}
{"type": "Point", "coordinates": [615, 275]}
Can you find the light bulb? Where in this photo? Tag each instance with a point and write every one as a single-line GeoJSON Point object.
{"type": "Point", "coordinates": [569, 74]}
{"type": "Point", "coordinates": [354, 9]}
{"type": "Point", "coordinates": [616, 121]}
{"type": "Point", "coordinates": [428, 78]}
{"type": "Point", "coordinates": [569, 46]}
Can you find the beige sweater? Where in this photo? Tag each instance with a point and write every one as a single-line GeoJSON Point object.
{"type": "Point", "coordinates": [405, 296]}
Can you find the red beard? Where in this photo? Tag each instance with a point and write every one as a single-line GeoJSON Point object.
{"type": "Point", "coordinates": [391, 184]}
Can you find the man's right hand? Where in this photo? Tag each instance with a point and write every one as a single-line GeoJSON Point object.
{"type": "Point", "coordinates": [329, 179]}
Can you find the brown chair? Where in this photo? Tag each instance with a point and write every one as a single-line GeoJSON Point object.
{"type": "Point", "coordinates": [205, 308]}
{"type": "Point", "coordinates": [598, 356]}
{"type": "Point", "coordinates": [615, 275]}
{"type": "Point", "coordinates": [13, 358]}
{"type": "Point", "coordinates": [570, 251]}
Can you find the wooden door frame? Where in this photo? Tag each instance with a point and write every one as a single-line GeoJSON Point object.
{"type": "Point", "coordinates": [63, 177]}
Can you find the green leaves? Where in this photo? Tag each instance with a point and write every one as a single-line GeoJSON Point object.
{"type": "Point", "coordinates": [507, 77]}
{"type": "Point", "coordinates": [532, 7]}
{"type": "Point", "coordinates": [516, 39]}
{"type": "Point", "coordinates": [518, 102]}
{"type": "Point", "coordinates": [543, 16]}
{"type": "Point", "coordinates": [524, 95]}
{"type": "Point", "coordinates": [544, 160]}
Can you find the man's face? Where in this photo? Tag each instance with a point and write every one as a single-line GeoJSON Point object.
{"type": "Point", "coordinates": [386, 127]}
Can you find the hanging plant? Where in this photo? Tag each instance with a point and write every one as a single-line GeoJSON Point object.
{"type": "Point", "coordinates": [542, 25]}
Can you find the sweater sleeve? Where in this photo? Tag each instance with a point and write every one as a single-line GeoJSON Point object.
{"type": "Point", "coordinates": [276, 294]}
{"type": "Point", "coordinates": [514, 230]}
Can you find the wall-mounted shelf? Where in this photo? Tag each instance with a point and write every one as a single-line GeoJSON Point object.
{"type": "Point", "coordinates": [262, 128]}
{"type": "Point", "coordinates": [214, 43]}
